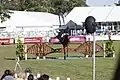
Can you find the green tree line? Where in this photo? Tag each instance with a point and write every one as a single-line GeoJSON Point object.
{"type": "Point", "coordinates": [51, 6]}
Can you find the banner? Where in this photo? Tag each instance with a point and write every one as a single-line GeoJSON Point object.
{"type": "Point", "coordinates": [33, 40]}
{"type": "Point", "coordinates": [54, 40]}
{"type": "Point", "coordinates": [77, 38]}
{"type": "Point", "coordinates": [5, 41]}
{"type": "Point", "coordinates": [73, 39]}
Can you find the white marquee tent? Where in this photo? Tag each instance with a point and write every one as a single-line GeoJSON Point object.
{"type": "Point", "coordinates": [102, 14]}
{"type": "Point", "coordinates": [31, 20]}
{"type": "Point", "coordinates": [30, 24]}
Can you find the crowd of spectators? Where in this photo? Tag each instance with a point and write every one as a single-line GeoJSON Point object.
{"type": "Point", "coordinates": [10, 75]}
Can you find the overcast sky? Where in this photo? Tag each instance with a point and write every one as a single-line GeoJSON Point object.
{"type": "Point", "coordinates": [101, 2]}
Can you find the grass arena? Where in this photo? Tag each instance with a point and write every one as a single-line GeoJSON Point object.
{"type": "Point", "coordinates": [75, 68]}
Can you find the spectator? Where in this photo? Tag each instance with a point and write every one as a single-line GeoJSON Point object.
{"type": "Point", "coordinates": [21, 76]}
{"type": "Point", "coordinates": [44, 77]}
{"type": "Point", "coordinates": [30, 77]}
{"type": "Point", "coordinates": [7, 75]}
{"type": "Point", "coordinates": [40, 78]}
{"type": "Point", "coordinates": [12, 73]}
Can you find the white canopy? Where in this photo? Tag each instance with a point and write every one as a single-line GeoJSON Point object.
{"type": "Point", "coordinates": [101, 13]}
{"type": "Point", "coordinates": [23, 18]}
{"type": "Point", "coordinates": [114, 16]}
{"type": "Point", "coordinates": [78, 14]}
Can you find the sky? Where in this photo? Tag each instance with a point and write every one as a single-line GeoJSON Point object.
{"type": "Point", "coordinates": [101, 2]}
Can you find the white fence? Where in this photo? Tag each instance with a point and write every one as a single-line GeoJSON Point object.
{"type": "Point", "coordinates": [105, 37]}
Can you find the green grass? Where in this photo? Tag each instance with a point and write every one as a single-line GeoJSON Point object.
{"type": "Point", "coordinates": [76, 69]}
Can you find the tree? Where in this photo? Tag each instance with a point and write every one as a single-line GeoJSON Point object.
{"type": "Point", "coordinates": [109, 48]}
{"type": "Point", "coordinates": [51, 6]}
{"type": "Point", "coordinates": [20, 49]}
{"type": "Point", "coordinates": [29, 5]}
{"type": "Point", "coordinates": [63, 6]}
{"type": "Point", "coordinates": [4, 13]}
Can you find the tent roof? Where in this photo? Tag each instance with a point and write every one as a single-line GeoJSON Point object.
{"type": "Point", "coordinates": [102, 14]}
{"type": "Point", "coordinates": [23, 18]}
{"type": "Point", "coordinates": [114, 16]}
{"type": "Point", "coordinates": [73, 25]}
{"type": "Point", "coordinates": [78, 14]}
{"type": "Point", "coordinates": [44, 16]}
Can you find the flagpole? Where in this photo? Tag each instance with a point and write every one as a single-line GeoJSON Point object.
{"type": "Point", "coordinates": [93, 58]}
